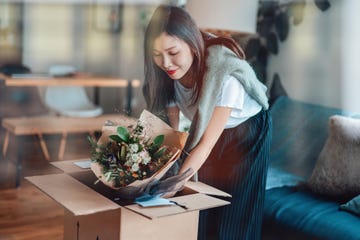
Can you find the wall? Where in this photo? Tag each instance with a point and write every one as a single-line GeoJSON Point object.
{"type": "Point", "coordinates": [78, 35]}
{"type": "Point", "coordinates": [317, 63]}
{"type": "Point", "coordinates": [350, 52]}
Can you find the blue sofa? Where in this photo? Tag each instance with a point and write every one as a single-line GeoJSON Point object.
{"type": "Point", "coordinates": [291, 210]}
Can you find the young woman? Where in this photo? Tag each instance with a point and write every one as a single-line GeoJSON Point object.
{"type": "Point", "coordinates": [207, 79]}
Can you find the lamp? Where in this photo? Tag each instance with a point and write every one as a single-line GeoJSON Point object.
{"type": "Point", "coordinates": [229, 16]}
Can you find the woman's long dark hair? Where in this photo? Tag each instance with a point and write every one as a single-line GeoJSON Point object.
{"type": "Point", "coordinates": [158, 88]}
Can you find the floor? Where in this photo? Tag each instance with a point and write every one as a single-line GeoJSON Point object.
{"type": "Point", "coordinates": [25, 212]}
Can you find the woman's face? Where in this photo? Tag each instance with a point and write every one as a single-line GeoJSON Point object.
{"type": "Point", "coordinates": [172, 55]}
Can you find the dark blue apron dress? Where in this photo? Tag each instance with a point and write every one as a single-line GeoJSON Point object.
{"type": "Point", "coordinates": [238, 165]}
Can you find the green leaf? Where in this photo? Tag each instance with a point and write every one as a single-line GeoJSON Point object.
{"type": "Point", "coordinates": [123, 133]}
{"type": "Point", "coordinates": [118, 154]}
{"type": "Point", "coordinates": [158, 140]}
{"type": "Point", "coordinates": [156, 144]}
{"type": "Point", "coordinates": [115, 138]}
{"type": "Point", "coordinates": [108, 176]}
{"type": "Point", "coordinates": [123, 153]}
{"type": "Point", "coordinates": [91, 140]}
{"type": "Point", "coordinates": [140, 147]}
{"type": "Point", "coordinates": [160, 152]}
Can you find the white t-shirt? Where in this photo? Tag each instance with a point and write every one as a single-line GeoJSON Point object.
{"type": "Point", "coordinates": [232, 95]}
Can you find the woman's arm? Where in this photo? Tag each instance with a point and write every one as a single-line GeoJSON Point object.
{"type": "Point", "coordinates": [212, 133]}
{"type": "Point", "coordinates": [173, 115]}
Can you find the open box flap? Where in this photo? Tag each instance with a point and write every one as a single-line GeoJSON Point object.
{"type": "Point", "coordinates": [72, 194]}
{"type": "Point", "coordinates": [205, 189]}
{"type": "Point", "coordinates": [192, 202]}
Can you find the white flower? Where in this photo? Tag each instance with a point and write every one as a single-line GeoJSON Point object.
{"type": "Point", "coordinates": [135, 168]}
{"type": "Point", "coordinates": [145, 157]}
{"type": "Point", "coordinates": [134, 147]}
{"type": "Point", "coordinates": [128, 163]}
{"type": "Point", "coordinates": [134, 157]}
{"type": "Point", "coordinates": [146, 160]}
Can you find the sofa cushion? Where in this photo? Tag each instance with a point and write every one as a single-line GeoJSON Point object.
{"type": "Point", "coordinates": [279, 178]}
{"type": "Point", "coordinates": [276, 90]}
{"type": "Point", "coordinates": [298, 210]}
{"type": "Point", "coordinates": [337, 170]}
{"type": "Point", "coordinates": [352, 206]}
{"type": "Point", "coordinates": [299, 133]}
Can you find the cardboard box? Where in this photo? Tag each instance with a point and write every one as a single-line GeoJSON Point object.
{"type": "Point", "coordinates": [93, 211]}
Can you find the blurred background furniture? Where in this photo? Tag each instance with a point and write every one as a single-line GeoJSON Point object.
{"type": "Point", "coordinates": [19, 100]}
{"type": "Point", "coordinates": [40, 80]}
{"type": "Point", "coordinates": [64, 96]}
{"type": "Point", "coordinates": [42, 125]}
{"type": "Point", "coordinates": [70, 101]}
{"type": "Point", "coordinates": [9, 69]}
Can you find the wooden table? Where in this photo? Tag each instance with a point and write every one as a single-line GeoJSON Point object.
{"type": "Point", "coordinates": [38, 80]}
{"type": "Point", "coordinates": [81, 80]}
{"type": "Point", "coordinates": [53, 125]}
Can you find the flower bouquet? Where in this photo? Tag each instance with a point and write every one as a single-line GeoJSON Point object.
{"type": "Point", "coordinates": [129, 157]}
